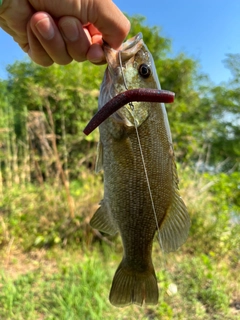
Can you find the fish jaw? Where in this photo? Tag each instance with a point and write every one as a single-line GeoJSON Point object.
{"type": "Point", "coordinates": [123, 76]}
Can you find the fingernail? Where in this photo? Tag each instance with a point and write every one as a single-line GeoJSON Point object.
{"type": "Point", "coordinates": [70, 29]}
{"type": "Point", "coordinates": [97, 60]}
{"type": "Point", "coordinates": [45, 28]}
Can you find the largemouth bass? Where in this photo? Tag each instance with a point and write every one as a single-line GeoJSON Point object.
{"type": "Point", "coordinates": [140, 182]}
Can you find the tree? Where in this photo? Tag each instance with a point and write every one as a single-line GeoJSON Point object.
{"type": "Point", "coordinates": [67, 96]}
{"type": "Point", "coordinates": [226, 113]}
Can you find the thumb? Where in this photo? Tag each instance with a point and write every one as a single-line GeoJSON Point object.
{"type": "Point", "coordinates": [110, 21]}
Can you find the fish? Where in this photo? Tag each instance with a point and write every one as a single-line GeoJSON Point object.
{"type": "Point", "coordinates": [141, 194]}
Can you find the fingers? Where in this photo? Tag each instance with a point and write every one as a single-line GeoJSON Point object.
{"type": "Point", "coordinates": [110, 21]}
{"type": "Point", "coordinates": [78, 34]}
{"type": "Point", "coordinates": [76, 37]}
{"type": "Point", "coordinates": [35, 50]}
{"type": "Point", "coordinates": [95, 52]}
{"type": "Point", "coordinates": [62, 42]}
{"type": "Point", "coordinates": [104, 15]}
{"type": "Point", "coordinates": [46, 42]}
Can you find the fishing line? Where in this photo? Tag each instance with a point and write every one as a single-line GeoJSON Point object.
{"type": "Point", "coordinates": [141, 152]}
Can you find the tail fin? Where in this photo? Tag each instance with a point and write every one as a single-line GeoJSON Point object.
{"type": "Point", "coordinates": [130, 286]}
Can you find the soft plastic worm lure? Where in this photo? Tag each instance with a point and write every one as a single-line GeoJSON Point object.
{"type": "Point", "coordinates": [123, 98]}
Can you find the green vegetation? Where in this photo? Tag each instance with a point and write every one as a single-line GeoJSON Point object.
{"type": "Point", "coordinates": [53, 265]}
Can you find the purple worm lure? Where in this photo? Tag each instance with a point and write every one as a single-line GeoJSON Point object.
{"type": "Point", "coordinates": [123, 98]}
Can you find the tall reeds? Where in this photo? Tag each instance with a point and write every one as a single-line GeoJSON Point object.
{"type": "Point", "coordinates": [33, 155]}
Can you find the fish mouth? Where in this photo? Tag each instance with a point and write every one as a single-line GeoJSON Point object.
{"type": "Point", "coordinates": [128, 50]}
{"type": "Point", "coordinates": [132, 42]}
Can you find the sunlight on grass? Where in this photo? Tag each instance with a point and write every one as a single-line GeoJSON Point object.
{"type": "Point", "coordinates": [56, 267]}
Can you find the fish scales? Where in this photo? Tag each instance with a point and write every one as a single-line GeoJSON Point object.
{"type": "Point", "coordinates": [127, 205]}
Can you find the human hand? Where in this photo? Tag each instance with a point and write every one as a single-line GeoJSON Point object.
{"type": "Point", "coordinates": [60, 31]}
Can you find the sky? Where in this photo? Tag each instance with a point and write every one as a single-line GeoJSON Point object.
{"type": "Point", "coordinates": [205, 30]}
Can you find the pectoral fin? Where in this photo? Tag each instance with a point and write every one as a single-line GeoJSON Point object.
{"type": "Point", "coordinates": [103, 221]}
{"type": "Point", "coordinates": [175, 226]}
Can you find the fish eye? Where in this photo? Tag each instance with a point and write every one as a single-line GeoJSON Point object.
{"type": "Point", "coordinates": [144, 70]}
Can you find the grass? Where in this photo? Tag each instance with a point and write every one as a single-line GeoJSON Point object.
{"type": "Point", "coordinates": [54, 266]}
{"type": "Point", "coordinates": [66, 292]}
{"type": "Point", "coordinates": [72, 290]}
{"type": "Point", "coordinates": [74, 284]}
